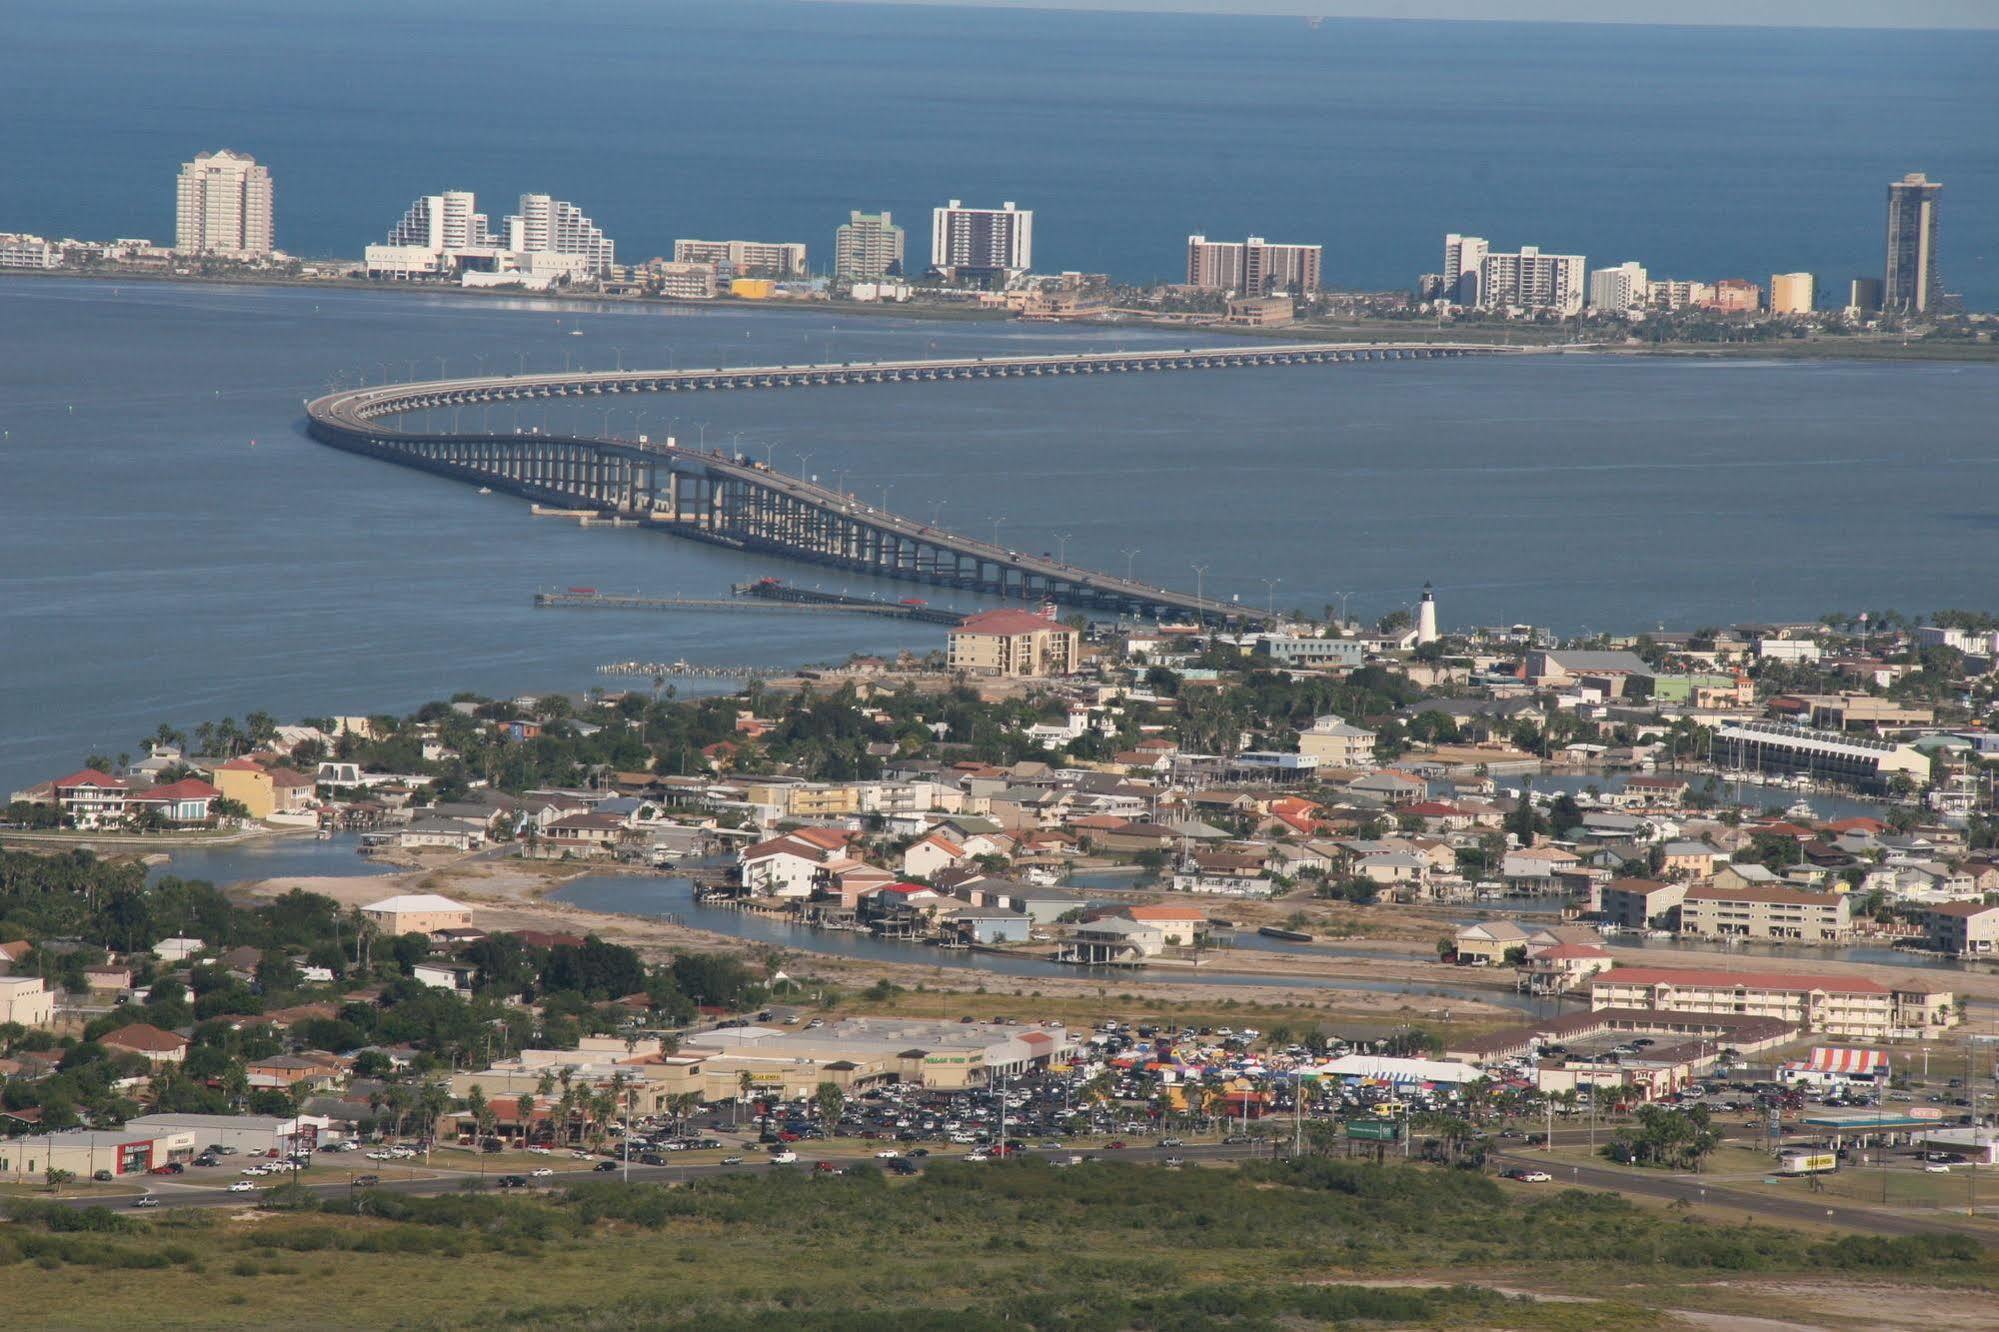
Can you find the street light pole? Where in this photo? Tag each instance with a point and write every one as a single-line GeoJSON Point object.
{"type": "Point", "coordinates": [1130, 553]}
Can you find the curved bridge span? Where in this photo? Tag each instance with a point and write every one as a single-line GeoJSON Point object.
{"type": "Point", "coordinates": [713, 496]}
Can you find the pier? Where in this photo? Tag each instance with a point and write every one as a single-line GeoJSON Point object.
{"type": "Point", "coordinates": [729, 500]}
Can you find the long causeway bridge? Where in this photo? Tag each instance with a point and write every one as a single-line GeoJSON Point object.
{"type": "Point", "coordinates": [726, 499]}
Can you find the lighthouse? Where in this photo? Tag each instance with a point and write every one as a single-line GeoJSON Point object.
{"type": "Point", "coordinates": [1426, 617]}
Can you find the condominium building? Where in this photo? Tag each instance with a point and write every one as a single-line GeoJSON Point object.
{"type": "Point", "coordinates": [1494, 279]}
{"type": "Point", "coordinates": [1337, 744]}
{"type": "Point", "coordinates": [1764, 747]}
{"type": "Point", "coordinates": [1014, 642]}
{"type": "Point", "coordinates": [868, 246]}
{"type": "Point", "coordinates": [222, 206]}
{"type": "Point", "coordinates": [1962, 929]}
{"type": "Point", "coordinates": [438, 234]}
{"type": "Point", "coordinates": [549, 226]}
{"type": "Point", "coordinates": [1764, 912]}
{"type": "Point", "coordinates": [1464, 261]}
{"type": "Point", "coordinates": [20, 250]}
{"type": "Point", "coordinates": [981, 240]}
{"type": "Point", "coordinates": [1253, 267]}
{"type": "Point", "coordinates": [686, 282]}
{"type": "Point", "coordinates": [1792, 293]}
{"type": "Point", "coordinates": [771, 259]}
{"type": "Point", "coordinates": [1909, 283]}
{"type": "Point", "coordinates": [1737, 296]}
{"type": "Point", "coordinates": [1624, 287]}
{"type": "Point", "coordinates": [1863, 295]}
{"type": "Point", "coordinates": [1678, 294]}
{"type": "Point", "coordinates": [1829, 1005]}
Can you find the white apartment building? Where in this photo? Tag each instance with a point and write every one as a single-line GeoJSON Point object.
{"type": "Point", "coordinates": [222, 206]}
{"type": "Point", "coordinates": [1464, 262]}
{"type": "Point", "coordinates": [868, 245]}
{"type": "Point", "coordinates": [1624, 287]}
{"type": "Point", "coordinates": [550, 226]}
{"type": "Point", "coordinates": [1336, 744]}
{"type": "Point", "coordinates": [988, 239]}
{"type": "Point", "coordinates": [20, 250]}
{"type": "Point", "coordinates": [1678, 294]}
{"type": "Point", "coordinates": [772, 259]}
{"type": "Point", "coordinates": [1532, 281]}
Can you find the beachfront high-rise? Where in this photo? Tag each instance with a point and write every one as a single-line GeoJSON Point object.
{"type": "Point", "coordinates": [551, 226]}
{"type": "Point", "coordinates": [1253, 267]}
{"type": "Point", "coordinates": [981, 241]}
{"type": "Point", "coordinates": [222, 206]}
{"type": "Point", "coordinates": [1909, 281]}
{"type": "Point", "coordinates": [868, 246]}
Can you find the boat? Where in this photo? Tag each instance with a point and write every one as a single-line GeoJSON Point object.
{"type": "Point", "coordinates": [1278, 932]}
{"type": "Point", "coordinates": [1800, 809]}
{"type": "Point", "coordinates": [485, 490]}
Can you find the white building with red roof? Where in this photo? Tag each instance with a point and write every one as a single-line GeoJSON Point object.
{"type": "Point", "coordinates": [189, 800]}
{"type": "Point", "coordinates": [931, 853]}
{"type": "Point", "coordinates": [1014, 642]}
{"type": "Point", "coordinates": [91, 799]}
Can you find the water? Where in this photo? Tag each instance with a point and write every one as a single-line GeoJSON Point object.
{"type": "Point", "coordinates": [173, 549]}
{"type": "Point", "coordinates": [665, 896]}
{"type": "Point", "coordinates": [271, 858]}
{"type": "Point", "coordinates": [1702, 153]}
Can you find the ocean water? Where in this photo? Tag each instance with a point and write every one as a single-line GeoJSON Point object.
{"type": "Point", "coordinates": [1700, 152]}
{"type": "Point", "coordinates": [173, 548]}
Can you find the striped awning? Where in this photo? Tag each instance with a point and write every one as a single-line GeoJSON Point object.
{"type": "Point", "coordinates": [1841, 1059]}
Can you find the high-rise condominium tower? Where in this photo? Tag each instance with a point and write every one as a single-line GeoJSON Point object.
{"type": "Point", "coordinates": [1909, 281]}
{"type": "Point", "coordinates": [222, 206]}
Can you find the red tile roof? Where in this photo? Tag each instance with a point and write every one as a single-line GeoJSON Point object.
{"type": "Point", "coordinates": [89, 777]}
{"type": "Point", "coordinates": [143, 1036]}
{"type": "Point", "coordinates": [187, 788]}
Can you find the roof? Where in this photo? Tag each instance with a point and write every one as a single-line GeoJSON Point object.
{"type": "Point", "coordinates": [89, 777]}
{"type": "Point", "coordinates": [1569, 952]}
{"type": "Point", "coordinates": [1965, 909]}
{"type": "Point", "coordinates": [1699, 978]}
{"type": "Point", "coordinates": [187, 788]}
{"type": "Point", "coordinates": [413, 902]}
{"type": "Point", "coordinates": [1586, 663]}
{"type": "Point", "coordinates": [1762, 893]}
{"type": "Point", "coordinates": [143, 1036]}
{"type": "Point", "coordinates": [1009, 622]}
{"type": "Point", "coordinates": [1163, 913]}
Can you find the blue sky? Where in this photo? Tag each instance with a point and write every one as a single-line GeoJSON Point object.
{"type": "Point", "coordinates": [1755, 13]}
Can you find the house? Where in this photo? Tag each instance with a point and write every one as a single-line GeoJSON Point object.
{"type": "Point", "coordinates": [1013, 643]}
{"type": "Point", "coordinates": [12, 954]}
{"type": "Point", "coordinates": [1696, 860]}
{"type": "Point", "coordinates": [146, 1041]}
{"type": "Point", "coordinates": [1536, 865]}
{"type": "Point", "coordinates": [107, 980]}
{"type": "Point", "coordinates": [582, 835]}
{"type": "Point", "coordinates": [987, 925]}
{"type": "Point", "coordinates": [931, 853]}
{"type": "Point", "coordinates": [786, 866]}
{"type": "Point", "coordinates": [264, 791]}
{"type": "Point", "coordinates": [1113, 940]}
{"type": "Point", "coordinates": [1492, 941]}
{"type": "Point", "coordinates": [189, 800]}
{"type": "Point", "coordinates": [91, 799]}
{"type": "Point", "coordinates": [1559, 968]}
{"type": "Point", "coordinates": [439, 834]}
{"type": "Point", "coordinates": [1336, 744]}
{"type": "Point", "coordinates": [458, 977]}
{"type": "Point", "coordinates": [1179, 927]}
{"type": "Point", "coordinates": [1613, 674]}
{"type": "Point", "coordinates": [417, 913]}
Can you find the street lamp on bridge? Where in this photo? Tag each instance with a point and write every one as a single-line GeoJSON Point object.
{"type": "Point", "coordinates": [1130, 553]}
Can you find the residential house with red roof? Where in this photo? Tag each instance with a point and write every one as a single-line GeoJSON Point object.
{"type": "Point", "coordinates": [91, 799]}
{"type": "Point", "coordinates": [189, 800]}
{"type": "Point", "coordinates": [933, 852]}
{"type": "Point", "coordinates": [148, 1042]}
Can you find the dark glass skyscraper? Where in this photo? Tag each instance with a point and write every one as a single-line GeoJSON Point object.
{"type": "Point", "coordinates": [1909, 282]}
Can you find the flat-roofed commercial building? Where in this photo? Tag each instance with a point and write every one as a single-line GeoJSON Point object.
{"type": "Point", "coordinates": [1253, 267]}
{"type": "Point", "coordinates": [26, 1000]}
{"type": "Point", "coordinates": [84, 1152]}
{"type": "Point", "coordinates": [1778, 747]}
{"type": "Point", "coordinates": [856, 1052]}
{"type": "Point", "coordinates": [1757, 912]}
{"type": "Point", "coordinates": [1849, 1006]}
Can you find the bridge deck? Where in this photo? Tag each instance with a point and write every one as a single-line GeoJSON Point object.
{"type": "Point", "coordinates": [750, 506]}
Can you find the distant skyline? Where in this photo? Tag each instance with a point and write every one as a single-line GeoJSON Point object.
{"type": "Point", "coordinates": [1678, 13]}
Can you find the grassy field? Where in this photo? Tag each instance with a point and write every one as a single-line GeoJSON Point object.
{"type": "Point", "coordinates": [1100, 1246]}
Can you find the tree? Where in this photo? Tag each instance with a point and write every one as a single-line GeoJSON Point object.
{"type": "Point", "coordinates": [57, 1178]}
{"type": "Point", "coordinates": [830, 1100]}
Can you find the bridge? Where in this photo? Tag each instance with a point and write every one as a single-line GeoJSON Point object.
{"type": "Point", "coordinates": [728, 500]}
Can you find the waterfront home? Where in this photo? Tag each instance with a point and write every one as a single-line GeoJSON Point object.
{"type": "Point", "coordinates": [265, 791]}
{"type": "Point", "coordinates": [931, 853]}
{"type": "Point", "coordinates": [91, 799]}
{"type": "Point", "coordinates": [187, 801]}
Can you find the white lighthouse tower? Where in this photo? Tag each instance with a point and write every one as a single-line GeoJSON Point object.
{"type": "Point", "coordinates": [1426, 617]}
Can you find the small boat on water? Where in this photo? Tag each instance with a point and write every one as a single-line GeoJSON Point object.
{"type": "Point", "coordinates": [485, 490]}
{"type": "Point", "coordinates": [1278, 932]}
